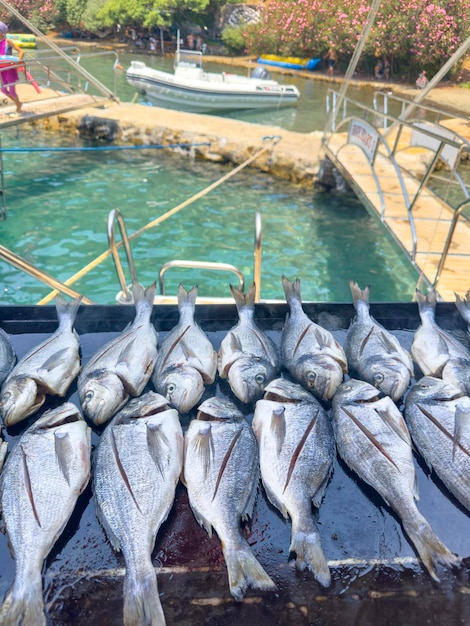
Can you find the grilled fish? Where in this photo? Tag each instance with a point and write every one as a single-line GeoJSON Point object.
{"type": "Point", "coordinates": [43, 476]}
{"type": "Point", "coordinates": [48, 369]}
{"type": "Point", "coordinates": [186, 360]}
{"type": "Point", "coordinates": [136, 469]}
{"type": "Point", "coordinates": [221, 472]}
{"type": "Point", "coordinates": [373, 353]}
{"type": "Point", "coordinates": [297, 451]}
{"type": "Point", "coordinates": [310, 353]}
{"type": "Point", "coordinates": [438, 417]}
{"type": "Point", "coordinates": [372, 438]}
{"type": "Point", "coordinates": [436, 352]}
{"type": "Point", "coordinates": [247, 357]}
{"type": "Point", "coordinates": [7, 356]}
{"type": "Point", "coordinates": [123, 366]}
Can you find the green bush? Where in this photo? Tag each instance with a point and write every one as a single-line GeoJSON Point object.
{"type": "Point", "coordinates": [232, 36]}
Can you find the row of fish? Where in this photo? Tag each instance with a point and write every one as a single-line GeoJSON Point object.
{"type": "Point", "coordinates": [186, 361]}
{"type": "Point", "coordinates": [291, 445]}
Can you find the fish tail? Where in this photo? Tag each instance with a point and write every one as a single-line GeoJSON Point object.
{"type": "Point", "coordinates": [26, 607]}
{"type": "Point", "coordinates": [426, 302]}
{"type": "Point", "coordinates": [242, 300]}
{"type": "Point", "coordinates": [142, 606]}
{"type": "Point", "coordinates": [429, 547]}
{"type": "Point", "coordinates": [67, 311]}
{"type": "Point", "coordinates": [187, 299]}
{"type": "Point", "coordinates": [306, 544]}
{"type": "Point", "coordinates": [244, 571]}
{"type": "Point", "coordinates": [359, 294]}
{"type": "Point", "coordinates": [291, 290]}
{"type": "Point", "coordinates": [143, 299]}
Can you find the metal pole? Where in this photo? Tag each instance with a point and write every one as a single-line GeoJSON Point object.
{"type": "Point", "coordinates": [104, 90]}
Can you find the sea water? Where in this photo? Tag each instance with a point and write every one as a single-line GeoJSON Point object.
{"type": "Point", "coordinates": [58, 205]}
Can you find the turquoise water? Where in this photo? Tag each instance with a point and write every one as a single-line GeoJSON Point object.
{"type": "Point", "coordinates": [58, 204]}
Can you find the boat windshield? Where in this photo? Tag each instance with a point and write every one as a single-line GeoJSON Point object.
{"type": "Point", "coordinates": [188, 58]}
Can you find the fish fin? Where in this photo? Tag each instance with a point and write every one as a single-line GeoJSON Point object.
{"type": "Point", "coordinates": [306, 544]}
{"type": "Point", "coordinates": [201, 520]}
{"type": "Point", "coordinates": [26, 607]}
{"type": "Point", "coordinates": [55, 360]}
{"type": "Point", "coordinates": [242, 300]}
{"type": "Point", "coordinates": [244, 571]}
{"type": "Point", "coordinates": [359, 294]}
{"type": "Point", "coordinates": [63, 452]}
{"type": "Point", "coordinates": [187, 296]}
{"type": "Point", "coordinates": [278, 427]}
{"type": "Point", "coordinates": [67, 311]}
{"type": "Point", "coordinates": [396, 423]}
{"type": "Point", "coordinates": [28, 486]}
{"type": "Point", "coordinates": [158, 446]}
{"type": "Point", "coordinates": [275, 501]}
{"type": "Point", "coordinates": [226, 459]}
{"type": "Point", "coordinates": [429, 547]}
{"type": "Point", "coordinates": [143, 298]}
{"type": "Point", "coordinates": [121, 469]}
{"type": "Point", "coordinates": [3, 453]}
{"type": "Point", "coordinates": [291, 289]}
{"type": "Point", "coordinates": [203, 445]}
{"type": "Point", "coordinates": [462, 422]}
{"type": "Point", "coordinates": [141, 597]}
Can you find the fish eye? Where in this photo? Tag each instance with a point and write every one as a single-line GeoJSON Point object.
{"type": "Point", "coordinates": [171, 388]}
{"type": "Point", "coordinates": [89, 396]}
{"type": "Point", "coordinates": [379, 378]}
{"type": "Point", "coordinates": [311, 378]}
{"type": "Point", "coordinates": [259, 379]}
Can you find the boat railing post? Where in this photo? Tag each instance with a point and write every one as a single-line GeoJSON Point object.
{"type": "Point", "coordinates": [114, 215]}
{"type": "Point", "coordinates": [257, 255]}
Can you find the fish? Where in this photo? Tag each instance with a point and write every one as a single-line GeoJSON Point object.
{"type": "Point", "coordinates": [47, 369]}
{"type": "Point", "coordinates": [42, 478]}
{"type": "Point", "coordinates": [438, 417]}
{"type": "Point", "coordinates": [123, 366]}
{"type": "Point", "coordinates": [463, 307]}
{"type": "Point", "coordinates": [7, 356]}
{"type": "Point", "coordinates": [221, 473]}
{"type": "Point", "coordinates": [436, 352]}
{"type": "Point", "coordinates": [136, 468]}
{"type": "Point", "coordinates": [373, 353]}
{"type": "Point", "coordinates": [247, 357]}
{"type": "Point", "coordinates": [297, 451]}
{"type": "Point", "coordinates": [373, 440]}
{"type": "Point", "coordinates": [308, 351]}
{"type": "Point", "coordinates": [186, 359]}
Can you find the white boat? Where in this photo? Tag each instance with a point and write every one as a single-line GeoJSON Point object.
{"type": "Point", "coordinates": [192, 89]}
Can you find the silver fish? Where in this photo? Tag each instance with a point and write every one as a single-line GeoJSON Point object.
{"type": "Point", "coordinates": [437, 352]}
{"type": "Point", "coordinates": [297, 450]}
{"type": "Point", "coordinates": [372, 438]}
{"type": "Point", "coordinates": [7, 355]}
{"type": "Point", "coordinates": [48, 369]}
{"type": "Point", "coordinates": [186, 360]}
{"type": "Point", "coordinates": [247, 357]}
{"type": "Point", "coordinates": [311, 354]}
{"type": "Point", "coordinates": [137, 466]}
{"type": "Point", "coordinates": [463, 307]}
{"type": "Point", "coordinates": [123, 366]}
{"type": "Point", "coordinates": [43, 476]}
{"type": "Point", "coordinates": [438, 417]}
{"type": "Point", "coordinates": [221, 472]}
{"type": "Point", "coordinates": [373, 353]}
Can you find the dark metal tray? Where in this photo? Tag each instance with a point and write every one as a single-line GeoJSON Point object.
{"type": "Point", "coordinates": [376, 576]}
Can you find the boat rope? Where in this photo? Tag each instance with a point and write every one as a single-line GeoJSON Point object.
{"type": "Point", "coordinates": [273, 140]}
{"type": "Point", "coordinates": [107, 148]}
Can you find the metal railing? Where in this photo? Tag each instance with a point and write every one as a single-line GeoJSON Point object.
{"type": "Point", "coordinates": [444, 145]}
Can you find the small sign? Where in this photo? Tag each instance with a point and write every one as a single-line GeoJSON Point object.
{"type": "Point", "coordinates": [365, 136]}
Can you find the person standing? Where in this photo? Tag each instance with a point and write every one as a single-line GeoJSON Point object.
{"type": "Point", "coordinates": [331, 59]}
{"type": "Point", "coordinates": [10, 75]}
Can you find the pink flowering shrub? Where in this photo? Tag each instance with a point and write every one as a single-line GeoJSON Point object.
{"type": "Point", "coordinates": [41, 13]}
{"type": "Point", "coordinates": [411, 33]}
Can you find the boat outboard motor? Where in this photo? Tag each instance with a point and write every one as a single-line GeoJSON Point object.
{"type": "Point", "coordinates": [261, 73]}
